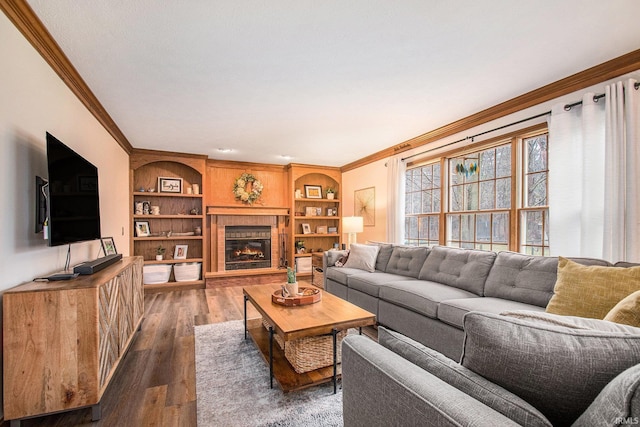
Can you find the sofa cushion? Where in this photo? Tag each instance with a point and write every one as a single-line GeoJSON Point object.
{"type": "Point", "coordinates": [383, 255]}
{"type": "Point", "coordinates": [452, 311]}
{"type": "Point", "coordinates": [626, 311]}
{"type": "Point", "coordinates": [370, 283]}
{"type": "Point", "coordinates": [617, 404]}
{"type": "Point", "coordinates": [557, 369]}
{"type": "Point", "coordinates": [421, 296]}
{"type": "Point", "coordinates": [462, 268]}
{"type": "Point", "coordinates": [462, 378]}
{"type": "Point", "coordinates": [591, 291]}
{"type": "Point", "coordinates": [524, 278]}
{"type": "Point", "coordinates": [341, 274]}
{"type": "Point", "coordinates": [362, 257]}
{"type": "Point", "coordinates": [407, 260]}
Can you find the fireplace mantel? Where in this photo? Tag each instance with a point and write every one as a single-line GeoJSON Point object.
{"type": "Point", "coordinates": [246, 210]}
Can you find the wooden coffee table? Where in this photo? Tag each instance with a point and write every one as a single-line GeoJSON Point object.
{"type": "Point", "coordinates": [324, 318]}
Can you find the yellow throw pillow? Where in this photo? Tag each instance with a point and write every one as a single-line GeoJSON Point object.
{"type": "Point", "coordinates": [591, 291]}
{"type": "Point", "coordinates": [626, 311]}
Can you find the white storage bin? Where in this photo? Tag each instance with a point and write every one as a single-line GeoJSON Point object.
{"type": "Point", "coordinates": [156, 273]}
{"type": "Point", "coordinates": [187, 271]}
{"type": "Point", "coordinates": [303, 265]}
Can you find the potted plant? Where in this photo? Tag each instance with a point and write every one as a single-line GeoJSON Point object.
{"type": "Point", "coordinates": [160, 253]}
{"type": "Point", "coordinates": [292, 283]}
{"type": "Point", "coordinates": [330, 193]}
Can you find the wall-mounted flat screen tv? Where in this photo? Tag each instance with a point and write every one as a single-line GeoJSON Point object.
{"type": "Point", "coordinates": [74, 208]}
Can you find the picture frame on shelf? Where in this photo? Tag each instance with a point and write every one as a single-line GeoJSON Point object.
{"type": "Point", "coordinates": [321, 229]}
{"type": "Point", "coordinates": [329, 211]}
{"type": "Point", "coordinates": [332, 230]}
{"type": "Point", "coordinates": [108, 246]}
{"type": "Point", "coordinates": [180, 252]}
{"type": "Point", "coordinates": [170, 185]}
{"type": "Point", "coordinates": [310, 211]}
{"type": "Point", "coordinates": [313, 191]}
{"type": "Point", "coordinates": [306, 228]}
{"type": "Point", "coordinates": [142, 229]}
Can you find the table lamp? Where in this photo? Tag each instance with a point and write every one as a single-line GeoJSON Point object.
{"type": "Point", "coordinates": [352, 225]}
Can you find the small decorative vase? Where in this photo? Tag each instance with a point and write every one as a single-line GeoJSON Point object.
{"type": "Point", "coordinates": [158, 257]}
{"type": "Point", "coordinates": [292, 288]}
{"type": "Point", "coordinates": [197, 231]}
{"type": "Point", "coordinates": [330, 196]}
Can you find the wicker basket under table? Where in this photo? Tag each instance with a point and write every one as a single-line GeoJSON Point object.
{"type": "Point", "coordinates": [310, 353]}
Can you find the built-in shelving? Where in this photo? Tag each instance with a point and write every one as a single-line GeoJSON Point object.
{"type": "Point", "coordinates": [181, 212]}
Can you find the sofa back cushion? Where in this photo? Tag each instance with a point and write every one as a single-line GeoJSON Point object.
{"type": "Point", "coordinates": [463, 379]}
{"type": "Point", "coordinates": [557, 368]}
{"type": "Point", "coordinates": [383, 255]}
{"type": "Point", "coordinates": [407, 260]}
{"type": "Point", "coordinates": [461, 268]}
{"type": "Point", "coordinates": [523, 278]}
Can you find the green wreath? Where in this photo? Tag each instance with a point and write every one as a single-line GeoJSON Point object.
{"type": "Point", "coordinates": [240, 188]}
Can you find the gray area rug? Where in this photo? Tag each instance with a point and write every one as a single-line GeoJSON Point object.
{"type": "Point", "coordinates": [232, 386]}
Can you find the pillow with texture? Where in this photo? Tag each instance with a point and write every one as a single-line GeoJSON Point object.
{"type": "Point", "coordinates": [558, 370]}
{"type": "Point", "coordinates": [465, 380]}
{"type": "Point", "coordinates": [619, 400]}
{"type": "Point", "coordinates": [591, 291]}
{"type": "Point", "coordinates": [362, 257]}
{"type": "Point", "coordinates": [626, 311]}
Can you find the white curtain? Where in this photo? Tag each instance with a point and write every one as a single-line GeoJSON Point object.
{"type": "Point", "coordinates": [576, 185]}
{"type": "Point", "coordinates": [622, 157]}
{"type": "Point", "coordinates": [396, 170]}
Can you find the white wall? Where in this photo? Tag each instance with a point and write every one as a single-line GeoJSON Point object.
{"type": "Point", "coordinates": [33, 100]}
{"type": "Point", "coordinates": [375, 174]}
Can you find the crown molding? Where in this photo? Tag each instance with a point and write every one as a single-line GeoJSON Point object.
{"type": "Point", "coordinates": [608, 70]}
{"type": "Point", "coordinates": [26, 21]}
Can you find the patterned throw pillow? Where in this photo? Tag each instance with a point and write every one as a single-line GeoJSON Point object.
{"type": "Point", "coordinates": [591, 291]}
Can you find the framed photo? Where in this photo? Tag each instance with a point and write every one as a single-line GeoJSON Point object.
{"type": "Point", "coordinates": [321, 229]}
{"type": "Point", "coordinates": [169, 185]}
{"type": "Point", "coordinates": [108, 246]}
{"type": "Point", "coordinates": [306, 228]}
{"type": "Point", "coordinates": [313, 191]}
{"type": "Point", "coordinates": [310, 211]}
{"type": "Point", "coordinates": [329, 211]}
{"type": "Point", "coordinates": [180, 252]}
{"type": "Point", "coordinates": [142, 229]}
{"type": "Point", "coordinates": [365, 205]}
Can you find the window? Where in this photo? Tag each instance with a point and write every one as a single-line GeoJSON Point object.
{"type": "Point", "coordinates": [492, 198]}
{"type": "Point", "coordinates": [422, 205]}
{"type": "Point", "coordinates": [534, 215]}
{"type": "Point", "coordinates": [480, 189]}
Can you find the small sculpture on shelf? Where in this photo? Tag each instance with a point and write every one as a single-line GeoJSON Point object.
{"type": "Point", "coordinates": [300, 249]}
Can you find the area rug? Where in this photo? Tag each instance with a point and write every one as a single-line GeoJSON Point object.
{"type": "Point", "coordinates": [232, 386]}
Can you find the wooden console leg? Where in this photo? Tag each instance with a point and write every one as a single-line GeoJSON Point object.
{"type": "Point", "coordinates": [96, 412]}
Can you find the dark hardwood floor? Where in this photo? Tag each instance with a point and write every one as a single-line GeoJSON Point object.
{"type": "Point", "coordinates": [155, 384]}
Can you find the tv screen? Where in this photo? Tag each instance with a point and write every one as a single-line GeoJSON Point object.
{"type": "Point", "coordinates": [74, 208]}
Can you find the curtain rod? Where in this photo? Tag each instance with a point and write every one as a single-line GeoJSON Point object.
{"type": "Point", "coordinates": [566, 107]}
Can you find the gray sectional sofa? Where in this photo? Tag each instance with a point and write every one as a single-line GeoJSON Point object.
{"type": "Point", "coordinates": [424, 293]}
{"type": "Point", "coordinates": [518, 365]}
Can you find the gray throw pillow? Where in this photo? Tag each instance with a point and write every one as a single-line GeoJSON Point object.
{"type": "Point", "coordinates": [617, 404]}
{"type": "Point", "coordinates": [362, 257]}
{"type": "Point", "coordinates": [496, 397]}
{"type": "Point", "coordinates": [557, 369]}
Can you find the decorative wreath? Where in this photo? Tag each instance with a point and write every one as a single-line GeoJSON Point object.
{"type": "Point", "coordinates": [254, 188]}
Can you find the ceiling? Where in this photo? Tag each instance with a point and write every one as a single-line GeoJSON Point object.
{"type": "Point", "coordinates": [325, 82]}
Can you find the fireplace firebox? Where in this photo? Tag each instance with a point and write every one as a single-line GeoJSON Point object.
{"type": "Point", "coordinates": [247, 247]}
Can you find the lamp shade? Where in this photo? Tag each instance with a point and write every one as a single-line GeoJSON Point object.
{"type": "Point", "coordinates": [352, 224]}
